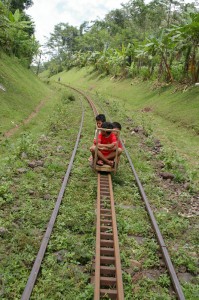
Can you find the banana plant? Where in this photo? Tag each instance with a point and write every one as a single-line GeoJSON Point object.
{"type": "Point", "coordinates": [162, 48]}
{"type": "Point", "coordinates": [186, 38]}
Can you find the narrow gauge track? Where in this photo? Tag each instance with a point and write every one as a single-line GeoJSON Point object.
{"type": "Point", "coordinates": [99, 281]}
{"type": "Point", "coordinates": [108, 274]}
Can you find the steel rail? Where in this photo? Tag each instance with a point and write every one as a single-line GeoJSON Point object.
{"type": "Point", "coordinates": [37, 264]}
{"type": "Point", "coordinates": [83, 94]}
{"type": "Point", "coordinates": [163, 247]}
{"type": "Point", "coordinates": [174, 278]}
{"type": "Point", "coordinates": [108, 279]}
{"type": "Point", "coordinates": [97, 248]}
{"type": "Point", "coordinates": [108, 274]}
{"type": "Point", "coordinates": [120, 292]}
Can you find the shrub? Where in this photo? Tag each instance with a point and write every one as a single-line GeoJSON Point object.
{"type": "Point", "coordinates": [145, 73]}
{"type": "Point", "coordinates": [177, 71]}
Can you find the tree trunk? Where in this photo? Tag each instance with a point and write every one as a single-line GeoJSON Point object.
{"type": "Point", "coordinates": [197, 73]}
{"type": "Point", "coordinates": [186, 64]}
{"type": "Point", "coordinates": [160, 70]}
{"type": "Point", "coordinates": [195, 66]}
{"type": "Point", "coordinates": [170, 77]}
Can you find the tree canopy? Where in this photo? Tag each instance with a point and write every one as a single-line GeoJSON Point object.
{"type": "Point", "coordinates": [158, 40]}
{"type": "Point", "coordinates": [18, 4]}
{"type": "Point", "coordinates": [17, 30]}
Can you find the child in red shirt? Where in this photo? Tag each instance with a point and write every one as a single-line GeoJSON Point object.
{"type": "Point", "coordinates": [111, 155]}
{"type": "Point", "coordinates": [106, 143]}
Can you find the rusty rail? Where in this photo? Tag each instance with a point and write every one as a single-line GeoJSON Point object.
{"type": "Point", "coordinates": [37, 264]}
{"type": "Point", "coordinates": [84, 95]}
{"type": "Point", "coordinates": [175, 281]}
{"type": "Point", "coordinates": [163, 247]}
{"type": "Point", "coordinates": [108, 274]}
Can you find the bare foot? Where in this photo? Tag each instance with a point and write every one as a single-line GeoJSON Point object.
{"type": "Point", "coordinates": [90, 158]}
{"type": "Point", "coordinates": [111, 163]}
{"type": "Point", "coordinates": [100, 163]}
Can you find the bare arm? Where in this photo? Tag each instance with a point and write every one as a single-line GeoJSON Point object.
{"type": "Point", "coordinates": [106, 146]}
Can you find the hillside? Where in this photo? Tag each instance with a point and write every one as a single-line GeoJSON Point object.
{"type": "Point", "coordinates": [168, 113]}
{"type": "Point", "coordinates": [23, 93]}
{"type": "Point", "coordinates": [177, 104]}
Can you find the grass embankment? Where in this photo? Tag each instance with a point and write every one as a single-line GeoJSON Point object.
{"type": "Point", "coordinates": [23, 93]}
{"type": "Point", "coordinates": [178, 107]}
{"type": "Point", "coordinates": [32, 167]}
{"type": "Point", "coordinates": [173, 116]}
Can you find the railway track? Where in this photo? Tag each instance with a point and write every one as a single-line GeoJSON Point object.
{"type": "Point", "coordinates": [108, 273]}
{"type": "Point", "coordinates": [99, 281]}
{"type": "Point", "coordinates": [162, 245]}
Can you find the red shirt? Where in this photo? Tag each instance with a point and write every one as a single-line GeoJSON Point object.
{"type": "Point", "coordinates": [107, 140]}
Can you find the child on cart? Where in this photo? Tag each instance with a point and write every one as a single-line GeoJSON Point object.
{"type": "Point", "coordinates": [117, 126]}
{"type": "Point", "coordinates": [100, 119]}
{"type": "Point", "coordinates": [106, 143]}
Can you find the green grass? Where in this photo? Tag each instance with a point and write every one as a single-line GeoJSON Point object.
{"type": "Point", "coordinates": [180, 107]}
{"type": "Point", "coordinates": [172, 117]}
{"type": "Point", "coordinates": [23, 93]}
{"type": "Point", "coordinates": [28, 197]}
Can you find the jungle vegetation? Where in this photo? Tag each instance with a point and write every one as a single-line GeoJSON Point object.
{"type": "Point", "coordinates": [157, 41]}
{"type": "Point", "coordinates": [17, 30]}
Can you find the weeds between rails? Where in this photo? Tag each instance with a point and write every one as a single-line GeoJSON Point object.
{"type": "Point", "coordinates": [169, 265]}
{"type": "Point", "coordinates": [181, 297]}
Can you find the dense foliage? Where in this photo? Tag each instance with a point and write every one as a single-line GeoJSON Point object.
{"type": "Point", "coordinates": [18, 4]}
{"type": "Point", "coordinates": [158, 40]}
{"type": "Point", "coordinates": [17, 30]}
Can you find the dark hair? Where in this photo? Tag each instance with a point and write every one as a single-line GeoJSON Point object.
{"type": "Point", "coordinates": [101, 117]}
{"type": "Point", "coordinates": [107, 125]}
{"type": "Point", "coordinates": [117, 125]}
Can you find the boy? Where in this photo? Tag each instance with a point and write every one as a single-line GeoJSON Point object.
{"type": "Point", "coordinates": [100, 119]}
{"type": "Point", "coordinates": [111, 155]}
{"type": "Point", "coordinates": [106, 143]}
